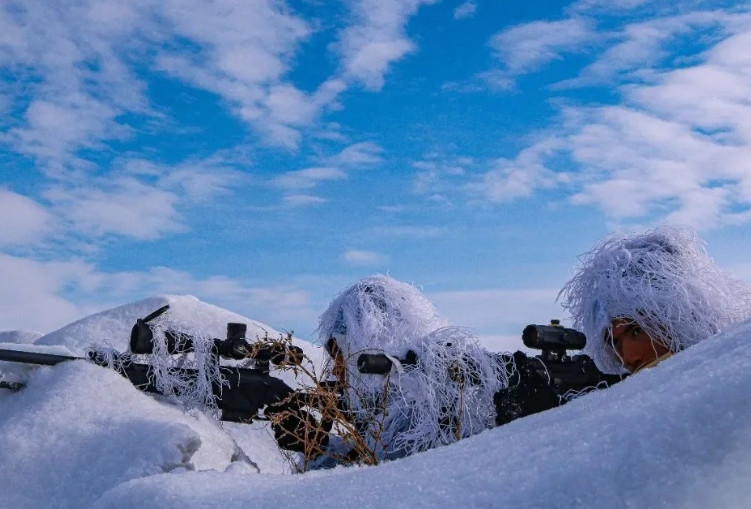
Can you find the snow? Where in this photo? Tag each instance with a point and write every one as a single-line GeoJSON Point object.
{"type": "Point", "coordinates": [113, 326]}
{"type": "Point", "coordinates": [19, 336]}
{"type": "Point", "coordinates": [676, 435]}
{"type": "Point", "coordinates": [77, 430]}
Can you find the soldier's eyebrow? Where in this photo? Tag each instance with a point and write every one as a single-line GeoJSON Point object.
{"type": "Point", "coordinates": [627, 329]}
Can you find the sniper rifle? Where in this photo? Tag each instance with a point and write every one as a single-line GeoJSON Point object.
{"type": "Point", "coordinates": [242, 392]}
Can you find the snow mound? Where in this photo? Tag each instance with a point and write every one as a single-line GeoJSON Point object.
{"type": "Point", "coordinates": [113, 326]}
{"type": "Point", "coordinates": [21, 337]}
{"type": "Point", "coordinates": [676, 435]}
{"type": "Point", "coordinates": [77, 430]}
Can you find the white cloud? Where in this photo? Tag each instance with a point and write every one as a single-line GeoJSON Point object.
{"type": "Point", "coordinates": [24, 221]}
{"type": "Point", "coordinates": [40, 295]}
{"type": "Point", "coordinates": [77, 66]}
{"type": "Point", "coordinates": [677, 147]}
{"type": "Point", "coordinates": [363, 258]}
{"type": "Point", "coordinates": [303, 200]}
{"type": "Point", "coordinates": [495, 79]}
{"type": "Point", "coordinates": [440, 176]}
{"type": "Point", "coordinates": [632, 47]}
{"type": "Point", "coordinates": [124, 206]}
{"type": "Point", "coordinates": [520, 177]}
{"type": "Point", "coordinates": [644, 164]}
{"type": "Point", "coordinates": [199, 183]}
{"type": "Point", "coordinates": [245, 50]}
{"type": "Point", "coordinates": [609, 6]}
{"type": "Point", "coordinates": [54, 129]}
{"type": "Point", "coordinates": [415, 232]}
{"type": "Point", "coordinates": [137, 199]}
{"type": "Point", "coordinates": [30, 293]}
{"type": "Point", "coordinates": [372, 59]}
{"type": "Point", "coordinates": [376, 39]}
{"type": "Point", "coordinates": [331, 131]}
{"type": "Point", "coordinates": [276, 305]}
{"type": "Point", "coordinates": [525, 48]}
{"type": "Point", "coordinates": [644, 44]}
{"type": "Point", "coordinates": [465, 10]}
{"type": "Point", "coordinates": [394, 209]}
{"type": "Point", "coordinates": [308, 178]}
{"type": "Point", "coordinates": [77, 82]}
{"type": "Point", "coordinates": [358, 154]}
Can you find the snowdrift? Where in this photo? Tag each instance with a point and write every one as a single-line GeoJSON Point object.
{"type": "Point", "coordinates": [673, 436]}
{"type": "Point", "coordinates": [677, 435]}
{"type": "Point", "coordinates": [20, 337]}
{"type": "Point", "coordinates": [113, 326]}
{"type": "Point", "coordinates": [77, 430]}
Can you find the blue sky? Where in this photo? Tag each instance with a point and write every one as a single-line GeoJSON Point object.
{"type": "Point", "coordinates": [262, 154]}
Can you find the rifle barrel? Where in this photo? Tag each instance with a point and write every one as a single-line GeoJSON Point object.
{"type": "Point", "coordinates": [46, 359]}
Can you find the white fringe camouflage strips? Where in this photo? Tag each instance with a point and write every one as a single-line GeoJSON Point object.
{"type": "Point", "coordinates": [195, 392]}
{"type": "Point", "coordinates": [447, 395]}
{"type": "Point", "coordinates": [664, 281]}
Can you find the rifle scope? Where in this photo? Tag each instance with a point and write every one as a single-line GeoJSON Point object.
{"type": "Point", "coordinates": [553, 337]}
{"type": "Point", "coordinates": [234, 347]}
{"type": "Point", "coordinates": [380, 364]}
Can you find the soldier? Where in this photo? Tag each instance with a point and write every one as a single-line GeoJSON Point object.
{"type": "Point", "coordinates": [437, 387]}
{"type": "Point", "coordinates": [641, 298]}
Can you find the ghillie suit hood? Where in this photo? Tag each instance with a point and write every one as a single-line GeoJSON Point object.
{"type": "Point", "coordinates": [417, 406]}
{"type": "Point", "coordinates": [378, 314]}
{"type": "Point", "coordinates": [663, 280]}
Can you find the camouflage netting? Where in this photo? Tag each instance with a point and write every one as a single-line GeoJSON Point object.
{"type": "Point", "coordinates": [663, 280]}
{"type": "Point", "coordinates": [447, 395]}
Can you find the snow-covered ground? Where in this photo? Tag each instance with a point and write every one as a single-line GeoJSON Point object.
{"type": "Point", "coordinates": [19, 336]}
{"type": "Point", "coordinates": [677, 435]}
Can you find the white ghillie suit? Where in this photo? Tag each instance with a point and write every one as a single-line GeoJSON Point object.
{"type": "Point", "coordinates": [448, 395]}
{"type": "Point", "coordinates": [663, 280]}
{"type": "Point", "coordinates": [424, 407]}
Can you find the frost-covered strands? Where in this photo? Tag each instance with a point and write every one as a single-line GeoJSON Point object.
{"type": "Point", "coordinates": [663, 280]}
{"type": "Point", "coordinates": [447, 395]}
{"type": "Point", "coordinates": [192, 392]}
{"type": "Point", "coordinates": [378, 314]}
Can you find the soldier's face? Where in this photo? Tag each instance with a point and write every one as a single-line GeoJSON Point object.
{"type": "Point", "coordinates": [634, 346]}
